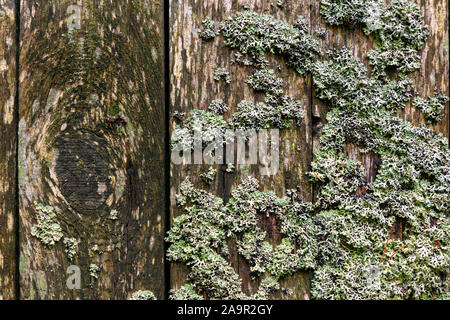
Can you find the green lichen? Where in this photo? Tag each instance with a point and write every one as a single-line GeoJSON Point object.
{"type": "Point", "coordinates": [96, 249]}
{"type": "Point", "coordinates": [355, 216]}
{"type": "Point", "coordinates": [209, 29]}
{"type": "Point", "coordinates": [113, 215]}
{"type": "Point", "coordinates": [143, 295]}
{"type": "Point", "coordinates": [218, 106]}
{"type": "Point", "coordinates": [432, 107]}
{"type": "Point", "coordinates": [397, 27]}
{"type": "Point", "coordinates": [347, 12]}
{"type": "Point", "coordinates": [222, 74]}
{"type": "Point", "coordinates": [186, 292]}
{"type": "Point", "coordinates": [94, 270]}
{"type": "Point", "coordinates": [321, 32]}
{"type": "Point", "coordinates": [199, 238]}
{"type": "Point", "coordinates": [277, 112]}
{"type": "Point", "coordinates": [70, 247]}
{"type": "Point", "coordinates": [48, 231]}
{"type": "Point", "coordinates": [201, 128]}
{"type": "Point", "coordinates": [265, 80]}
{"type": "Point", "coordinates": [341, 236]}
{"type": "Point", "coordinates": [256, 35]}
{"type": "Point", "coordinates": [230, 168]}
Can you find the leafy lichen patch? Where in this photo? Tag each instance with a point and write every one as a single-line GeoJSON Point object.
{"type": "Point", "coordinates": [209, 176]}
{"type": "Point", "coordinates": [209, 29]}
{"type": "Point", "coordinates": [199, 238]}
{"type": "Point", "coordinates": [341, 236]}
{"type": "Point", "coordinates": [94, 270]}
{"type": "Point", "coordinates": [70, 247]}
{"type": "Point", "coordinates": [222, 74]}
{"type": "Point", "coordinates": [255, 34]}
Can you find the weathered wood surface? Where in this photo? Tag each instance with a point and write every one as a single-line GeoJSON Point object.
{"type": "Point", "coordinates": [192, 66]}
{"type": "Point", "coordinates": [78, 158]}
{"type": "Point", "coordinates": [8, 129]}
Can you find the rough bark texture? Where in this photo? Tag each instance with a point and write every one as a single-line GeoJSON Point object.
{"type": "Point", "coordinates": [8, 128]}
{"type": "Point", "coordinates": [193, 63]}
{"type": "Point", "coordinates": [92, 146]}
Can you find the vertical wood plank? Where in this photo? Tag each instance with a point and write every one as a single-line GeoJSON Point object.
{"type": "Point", "coordinates": [192, 66]}
{"type": "Point", "coordinates": [8, 127]}
{"type": "Point", "coordinates": [92, 147]}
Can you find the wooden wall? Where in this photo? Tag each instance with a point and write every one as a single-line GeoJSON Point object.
{"type": "Point", "coordinates": [88, 133]}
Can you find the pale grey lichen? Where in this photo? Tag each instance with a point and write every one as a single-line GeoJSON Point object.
{"type": "Point", "coordinates": [321, 32]}
{"type": "Point", "coordinates": [218, 106]}
{"type": "Point", "coordinates": [397, 26]}
{"type": "Point", "coordinates": [186, 292]}
{"type": "Point", "coordinates": [230, 168]}
{"type": "Point", "coordinates": [222, 74]}
{"type": "Point", "coordinates": [346, 12]}
{"type": "Point", "coordinates": [265, 80]}
{"type": "Point", "coordinates": [113, 215]}
{"type": "Point", "coordinates": [255, 34]}
{"type": "Point", "coordinates": [96, 249]}
{"type": "Point", "coordinates": [342, 235]}
{"type": "Point", "coordinates": [355, 216]}
{"type": "Point", "coordinates": [202, 127]}
{"type": "Point", "coordinates": [199, 238]}
{"type": "Point", "coordinates": [432, 107]}
{"type": "Point", "coordinates": [94, 270]}
{"type": "Point", "coordinates": [277, 112]}
{"type": "Point", "coordinates": [48, 231]}
{"type": "Point", "coordinates": [209, 176]}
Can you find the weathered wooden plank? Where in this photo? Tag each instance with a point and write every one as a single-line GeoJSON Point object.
{"type": "Point", "coordinates": [8, 128]}
{"type": "Point", "coordinates": [193, 63]}
{"type": "Point", "coordinates": [91, 148]}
